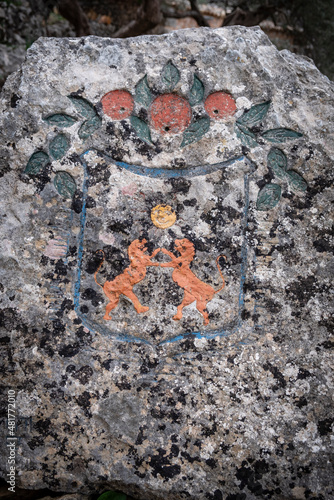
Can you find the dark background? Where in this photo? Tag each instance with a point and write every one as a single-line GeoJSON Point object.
{"type": "Point", "coordinates": [305, 27]}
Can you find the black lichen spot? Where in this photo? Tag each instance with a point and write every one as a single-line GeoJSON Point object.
{"type": "Point", "coordinates": [237, 496]}
{"type": "Point", "coordinates": [178, 163]}
{"type": "Point", "coordinates": [207, 431]}
{"type": "Point", "coordinates": [83, 335]}
{"type": "Point", "coordinates": [120, 227]}
{"type": "Point", "coordinates": [77, 202]}
{"type": "Point", "coordinates": [161, 465]}
{"type": "Point", "coordinates": [211, 462]}
{"type": "Point", "coordinates": [60, 268]}
{"type": "Point", "coordinates": [250, 476]}
{"type": "Point", "coordinates": [310, 154]}
{"type": "Point", "coordinates": [70, 350]}
{"type": "Point", "coordinates": [302, 401]}
{"type": "Point", "coordinates": [83, 374]}
{"type": "Point", "coordinates": [14, 100]}
{"type": "Point", "coordinates": [140, 437]}
{"type": "Point", "coordinates": [147, 365]}
{"type": "Point", "coordinates": [325, 426]}
{"type": "Point", "coordinates": [43, 426]}
{"type": "Point", "coordinates": [123, 384]}
{"type": "Point", "coordinates": [190, 203]}
{"type": "Point", "coordinates": [84, 401]}
{"type": "Point", "coordinates": [302, 373]}
{"type": "Point", "coordinates": [179, 185]}
{"type": "Point", "coordinates": [91, 295]}
{"type": "Point", "coordinates": [328, 344]}
{"type": "Point", "coordinates": [158, 413]}
{"type": "Point", "coordinates": [93, 262]}
{"type": "Point", "coordinates": [98, 173]}
{"type": "Point", "coordinates": [106, 364]}
{"type": "Point", "coordinates": [174, 451]}
{"type": "Point", "coordinates": [301, 290]}
{"type": "Point", "coordinates": [272, 306]}
{"type": "Point", "coordinates": [276, 373]}
{"type": "Point", "coordinates": [35, 442]}
{"type": "Point", "coordinates": [322, 245]}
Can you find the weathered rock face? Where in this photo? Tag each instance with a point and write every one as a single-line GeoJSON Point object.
{"type": "Point", "coordinates": [167, 269]}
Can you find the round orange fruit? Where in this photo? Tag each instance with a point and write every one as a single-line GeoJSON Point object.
{"type": "Point", "coordinates": [170, 114]}
{"type": "Point", "coordinates": [220, 106]}
{"type": "Point", "coordinates": [117, 104]}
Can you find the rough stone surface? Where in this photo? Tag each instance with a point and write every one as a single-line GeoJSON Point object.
{"type": "Point", "coordinates": [217, 150]}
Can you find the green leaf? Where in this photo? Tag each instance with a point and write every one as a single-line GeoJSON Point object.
{"type": "Point", "coordinates": [89, 127]}
{"type": "Point", "coordinates": [279, 172]}
{"type": "Point", "coordinates": [280, 135]}
{"type": "Point", "coordinates": [143, 94]}
{"type": "Point", "coordinates": [112, 495]}
{"type": "Point", "coordinates": [60, 120]}
{"type": "Point", "coordinates": [296, 181]}
{"type": "Point", "coordinates": [65, 184]}
{"type": "Point", "coordinates": [276, 157]}
{"type": "Point", "coordinates": [246, 136]}
{"type": "Point", "coordinates": [196, 92]}
{"type": "Point", "coordinates": [59, 146]}
{"type": "Point", "coordinates": [170, 76]}
{"type": "Point", "coordinates": [84, 107]}
{"type": "Point", "coordinates": [268, 197]}
{"type": "Point", "coordinates": [36, 162]}
{"type": "Point", "coordinates": [141, 128]}
{"type": "Point", "coordinates": [277, 162]}
{"type": "Point", "coordinates": [195, 131]}
{"type": "Point", "coordinates": [255, 114]}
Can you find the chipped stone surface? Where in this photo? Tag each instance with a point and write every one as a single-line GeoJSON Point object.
{"type": "Point", "coordinates": [138, 175]}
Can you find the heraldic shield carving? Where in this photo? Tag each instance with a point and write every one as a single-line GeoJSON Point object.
{"type": "Point", "coordinates": [160, 214]}
{"type": "Point", "coordinates": [165, 260]}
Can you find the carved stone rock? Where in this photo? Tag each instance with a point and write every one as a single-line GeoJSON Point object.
{"type": "Point", "coordinates": [167, 265]}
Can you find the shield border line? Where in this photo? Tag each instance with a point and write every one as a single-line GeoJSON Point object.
{"type": "Point", "coordinates": [162, 173]}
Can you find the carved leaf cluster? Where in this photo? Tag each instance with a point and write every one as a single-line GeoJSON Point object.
{"type": "Point", "coordinates": [195, 131]}
{"type": "Point", "coordinates": [144, 96]}
{"type": "Point", "coordinates": [170, 76]}
{"type": "Point", "coordinates": [37, 162]}
{"type": "Point", "coordinates": [65, 184]}
{"type": "Point", "coordinates": [141, 128]}
{"type": "Point", "coordinates": [253, 117]}
{"type": "Point", "coordinates": [270, 194]}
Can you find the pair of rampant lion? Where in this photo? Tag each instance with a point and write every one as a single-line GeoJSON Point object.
{"type": "Point", "coordinates": [194, 288]}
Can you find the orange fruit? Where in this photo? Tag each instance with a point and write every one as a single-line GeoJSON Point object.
{"type": "Point", "coordinates": [117, 104]}
{"type": "Point", "coordinates": [220, 106]}
{"type": "Point", "coordinates": [170, 114]}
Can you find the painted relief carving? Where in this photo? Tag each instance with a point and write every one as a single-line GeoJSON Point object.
{"type": "Point", "coordinates": [124, 283]}
{"type": "Point", "coordinates": [194, 288]}
{"type": "Point", "coordinates": [170, 113]}
{"type": "Point", "coordinates": [123, 208]}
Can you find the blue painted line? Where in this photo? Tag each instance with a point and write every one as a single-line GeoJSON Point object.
{"type": "Point", "coordinates": [199, 335]}
{"type": "Point", "coordinates": [244, 249]}
{"type": "Point", "coordinates": [94, 326]}
{"type": "Point", "coordinates": [81, 238]}
{"type": "Point", "coordinates": [168, 173]}
{"type": "Point", "coordinates": [162, 173]}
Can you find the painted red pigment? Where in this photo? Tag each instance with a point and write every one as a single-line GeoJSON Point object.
{"type": "Point", "coordinates": [194, 288]}
{"type": "Point", "coordinates": [123, 283]}
{"type": "Point", "coordinates": [220, 106]}
{"type": "Point", "coordinates": [170, 114]}
{"type": "Point", "coordinates": [117, 104]}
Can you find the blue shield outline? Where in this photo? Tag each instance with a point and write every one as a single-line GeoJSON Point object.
{"type": "Point", "coordinates": [163, 173]}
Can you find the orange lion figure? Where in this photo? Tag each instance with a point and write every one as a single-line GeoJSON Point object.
{"type": "Point", "coordinates": [123, 283]}
{"type": "Point", "coordinates": [194, 288]}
